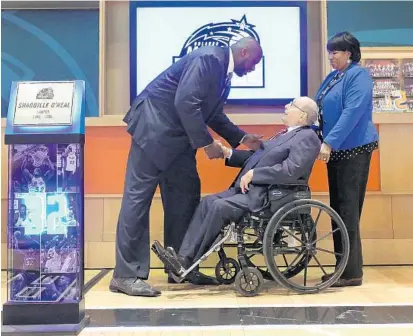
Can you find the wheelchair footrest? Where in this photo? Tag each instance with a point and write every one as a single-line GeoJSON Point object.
{"type": "Point", "coordinates": [169, 260]}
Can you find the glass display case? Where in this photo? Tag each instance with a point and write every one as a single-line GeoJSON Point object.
{"type": "Point", "coordinates": [45, 130]}
{"type": "Point", "coordinates": [393, 83]}
{"type": "Point", "coordinates": [45, 223]}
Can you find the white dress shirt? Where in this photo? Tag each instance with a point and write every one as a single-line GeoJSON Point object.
{"type": "Point", "coordinates": [230, 63]}
{"type": "Point", "coordinates": [230, 70]}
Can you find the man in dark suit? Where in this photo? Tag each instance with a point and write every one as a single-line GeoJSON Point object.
{"type": "Point", "coordinates": [168, 122]}
{"type": "Point", "coordinates": [286, 158]}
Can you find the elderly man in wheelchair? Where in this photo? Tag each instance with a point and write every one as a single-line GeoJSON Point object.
{"type": "Point", "coordinates": [270, 201]}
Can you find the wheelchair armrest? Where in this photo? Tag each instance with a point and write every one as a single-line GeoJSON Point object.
{"type": "Point", "coordinates": [299, 183]}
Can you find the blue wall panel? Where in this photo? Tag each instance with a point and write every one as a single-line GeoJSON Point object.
{"type": "Point", "coordinates": [374, 23]}
{"type": "Point", "coordinates": [51, 45]}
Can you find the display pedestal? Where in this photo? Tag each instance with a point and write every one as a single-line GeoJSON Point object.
{"type": "Point", "coordinates": [45, 231]}
{"type": "Point", "coordinates": [44, 318]}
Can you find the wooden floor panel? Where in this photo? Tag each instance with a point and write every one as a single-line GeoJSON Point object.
{"type": "Point", "coordinates": [351, 330]}
{"type": "Point", "coordinates": [382, 285]}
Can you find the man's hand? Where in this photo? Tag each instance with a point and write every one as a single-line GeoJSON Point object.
{"type": "Point", "coordinates": [214, 151]}
{"type": "Point", "coordinates": [225, 150]}
{"type": "Point", "coordinates": [246, 180]}
{"type": "Point", "coordinates": [252, 141]}
{"type": "Point", "coordinates": [325, 152]}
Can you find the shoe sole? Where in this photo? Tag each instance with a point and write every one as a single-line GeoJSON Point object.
{"type": "Point", "coordinates": [335, 285]}
{"type": "Point", "coordinates": [118, 290]}
{"type": "Point", "coordinates": [174, 265]}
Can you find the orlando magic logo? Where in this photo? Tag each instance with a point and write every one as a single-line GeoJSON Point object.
{"type": "Point", "coordinates": [225, 34]}
{"type": "Point", "coordinates": [46, 93]}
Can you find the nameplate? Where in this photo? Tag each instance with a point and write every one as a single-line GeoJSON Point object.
{"type": "Point", "coordinates": [44, 104]}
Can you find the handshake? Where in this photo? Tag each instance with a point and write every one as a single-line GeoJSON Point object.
{"type": "Point", "coordinates": [217, 150]}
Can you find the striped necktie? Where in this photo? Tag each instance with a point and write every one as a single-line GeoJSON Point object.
{"type": "Point", "coordinates": [279, 133]}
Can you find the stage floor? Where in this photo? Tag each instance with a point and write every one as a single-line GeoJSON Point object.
{"type": "Point", "coordinates": [384, 304]}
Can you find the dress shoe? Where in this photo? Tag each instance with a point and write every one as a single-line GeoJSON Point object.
{"type": "Point", "coordinates": [168, 259]}
{"type": "Point", "coordinates": [171, 280]}
{"type": "Point", "coordinates": [132, 287]}
{"type": "Point", "coordinates": [326, 277]}
{"type": "Point", "coordinates": [174, 262]}
{"type": "Point", "coordinates": [197, 278]}
{"type": "Point", "coordinates": [348, 282]}
{"type": "Point", "coordinates": [342, 282]}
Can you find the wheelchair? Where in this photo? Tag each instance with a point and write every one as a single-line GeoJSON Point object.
{"type": "Point", "coordinates": [286, 233]}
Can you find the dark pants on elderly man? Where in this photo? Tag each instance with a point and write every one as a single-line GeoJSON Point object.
{"type": "Point", "coordinates": [213, 213]}
{"type": "Point", "coordinates": [347, 183]}
{"type": "Point", "coordinates": [180, 192]}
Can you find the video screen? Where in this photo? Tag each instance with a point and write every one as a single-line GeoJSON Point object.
{"type": "Point", "coordinates": [162, 35]}
{"type": "Point", "coordinates": [45, 213]}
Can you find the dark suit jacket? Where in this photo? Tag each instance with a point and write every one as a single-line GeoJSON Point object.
{"type": "Point", "coordinates": [172, 113]}
{"type": "Point", "coordinates": [286, 159]}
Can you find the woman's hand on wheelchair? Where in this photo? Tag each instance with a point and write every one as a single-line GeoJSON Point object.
{"type": "Point", "coordinates": [246, 180]}
{"type": "Point", "coordinates": [325, 152]}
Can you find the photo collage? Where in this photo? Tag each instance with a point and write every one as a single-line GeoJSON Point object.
{"type": "Point", "coordinates": [44, 212]}
{"type": "Point", "coordinates": [393, 84]}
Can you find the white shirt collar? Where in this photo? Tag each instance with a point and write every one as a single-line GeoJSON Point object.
{"type": "Point", "coordinates": [231, 62]}
{"type": "Point", "coordinates": [291, 128]}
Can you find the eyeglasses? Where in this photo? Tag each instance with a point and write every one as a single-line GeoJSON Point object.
{"type": "Point", "coordinates": [293, 104]}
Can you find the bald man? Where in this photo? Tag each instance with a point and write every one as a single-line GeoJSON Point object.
{"type": "Point", "coordinates": [286, 158]}
{"type": "Point", "coordinates": [168, 123]}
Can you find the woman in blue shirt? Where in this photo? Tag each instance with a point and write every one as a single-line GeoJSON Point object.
{"type": "Point", "coordinates": [345, 100]}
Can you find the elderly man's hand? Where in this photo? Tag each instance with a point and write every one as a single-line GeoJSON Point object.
{"type": "Point", "coordinates": [225, 150]}
{"type": "Point", "coordinates": [246, 180]}
{"type": "Point", "coordinates": [252, 141]}
{"type": "Point", "coordinates": [325, 152]}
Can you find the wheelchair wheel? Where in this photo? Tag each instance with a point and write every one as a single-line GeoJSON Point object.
{"type": "Point", "coordinates": [310, 246]}
{"type": "Point", "coordinates": [293, 270]}
{"type": "Point", "coordinates": [226, 271]}
{"type": "Point", "coordinates": [249, 281]}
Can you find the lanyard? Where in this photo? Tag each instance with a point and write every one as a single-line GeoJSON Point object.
{"type": "Point", "coordinates": [329, 86]}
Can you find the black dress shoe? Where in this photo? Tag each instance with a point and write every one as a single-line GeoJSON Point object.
{"type": "Point", "coordinates": [197, 278]}
{"type": "Point", "coordinates": [133, 287]}
{"type": "Point", "coordinates": [326, 277]}
{"type": "Point", "coordinates": [348, 282]}
{"type": "Point", "coordinates": [171, 280]}
{"type": "Point", "coordinates": [169, 259]}
{"type": "Point", "coordinates": [342, 282]}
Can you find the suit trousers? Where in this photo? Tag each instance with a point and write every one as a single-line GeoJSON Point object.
{"type": "Point", "coordinates": [212, 214]}
{"type": "Point", "coordinates": [180, 192]}
{"type": "Point", "coordinates": [347, 184]}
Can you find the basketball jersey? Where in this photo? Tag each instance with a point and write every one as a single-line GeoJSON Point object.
{"type": "Point", "coordinates": [70, 263]}
{"type": "Point", "coordinates": [54, 263]}
{"type": "Point", "coordinates": [37, 185]}
{"type": "Point", "coordinates": [23, 222]}
{"type": "Point", "coordinates": [71, 162]}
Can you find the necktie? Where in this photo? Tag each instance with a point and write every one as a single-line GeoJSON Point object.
{"type": "Point", "coordinates": [227, 84]}
{"type": "Point", "coordinates": [254, 158]}
{"type": "Point", "coordinates": [279, 133]}
{"type": "Point", "coordinates": [228, 80]}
